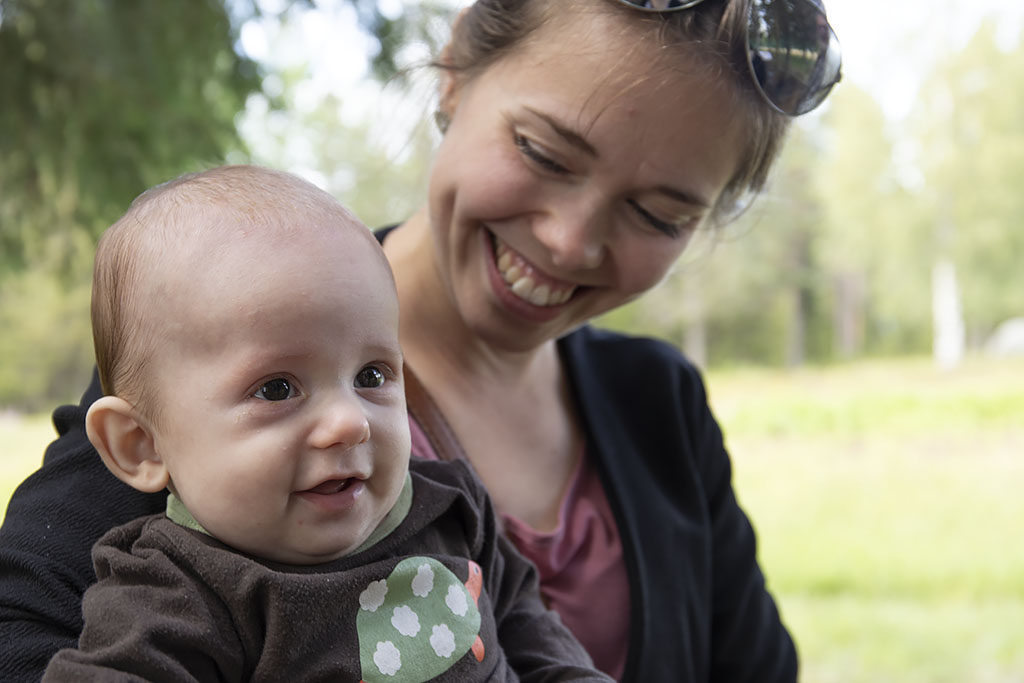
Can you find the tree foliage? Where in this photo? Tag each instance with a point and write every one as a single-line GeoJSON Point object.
{"type": "Point", "coordinates": [972, 153]}
{"type": "Point", "coordinates": [874, 243]}
{"type": "Point", "coordinates": [417, 23]}
{"type": "Point", "coordinates": [103, 98]}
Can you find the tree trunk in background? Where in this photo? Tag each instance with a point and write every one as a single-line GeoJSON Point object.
{"type": "Point", "coordinates": [947, 316]}
{"type": "Point", "coordinates": [796, 336]}
{"type": "Point", "coordinates": [802, 301]}
{"type": "Point", "coordinates": [695, 331]}
{"type": "Point", "coordinates": [849, 314]}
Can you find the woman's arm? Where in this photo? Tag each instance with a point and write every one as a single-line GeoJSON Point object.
{"type": "Point", "coordinates": [749, 641]}
{"type": "Point", "coordinates": [52, 521]}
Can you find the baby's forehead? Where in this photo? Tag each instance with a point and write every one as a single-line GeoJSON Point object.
{"type": "Point", "coordinates": [217, 237]}
{"type": "Point", "coordinates": [201, 232]}
{"type": "Point", "coordinates": [245, 279]}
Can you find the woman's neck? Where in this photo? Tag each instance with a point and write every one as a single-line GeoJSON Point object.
{"type": "Point", "coordinates": [510, 410]}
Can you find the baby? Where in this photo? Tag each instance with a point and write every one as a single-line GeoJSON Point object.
{"type": "Point", "coordinates": [246, 332]}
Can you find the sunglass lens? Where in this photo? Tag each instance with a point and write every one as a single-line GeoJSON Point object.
{"type": "Point", "coordinates": [794, 53]}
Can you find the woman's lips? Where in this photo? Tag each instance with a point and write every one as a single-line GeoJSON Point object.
{"type": "Point", "coordinates": [526, 281]}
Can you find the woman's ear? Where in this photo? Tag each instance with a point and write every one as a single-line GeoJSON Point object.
{"type": "Point", "coordinates": [125, 444]}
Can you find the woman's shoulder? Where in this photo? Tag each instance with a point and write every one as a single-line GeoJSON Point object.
{"type": "Point", "coordinates": [641, 390]}
{"type": "Point", "coordinates": [598, 352]}
{"type": "Point", "coordinates": [602, 341]}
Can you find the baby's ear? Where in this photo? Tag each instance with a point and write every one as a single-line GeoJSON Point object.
{"type": "Point", "coordinates": [125, 444]}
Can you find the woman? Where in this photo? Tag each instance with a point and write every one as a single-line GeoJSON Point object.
{"type": "Point", "coordinates": [585, 141]}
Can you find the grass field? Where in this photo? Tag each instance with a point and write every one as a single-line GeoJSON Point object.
{"type": "Point", "coordinates": [889, 503]}
{"type": "Point", "coordinates": [24, 439]}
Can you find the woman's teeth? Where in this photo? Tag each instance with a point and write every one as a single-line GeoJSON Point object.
{"type": "Point", "coordinates": [513, 270]}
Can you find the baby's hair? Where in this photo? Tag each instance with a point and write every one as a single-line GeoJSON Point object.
{"type": "Point", "coordinates": [164, 220]}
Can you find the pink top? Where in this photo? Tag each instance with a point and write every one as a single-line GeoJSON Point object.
{"type": "Point", "coordinates": [582, 572]}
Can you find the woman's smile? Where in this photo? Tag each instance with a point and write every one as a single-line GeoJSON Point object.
{"type": "Point", "coordinates": [516, 283]}
{"type": "Point", "coordinates": [527, 281]}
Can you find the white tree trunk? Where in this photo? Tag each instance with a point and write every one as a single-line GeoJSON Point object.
{"type": "Point", "coordinates": [695, 331]}
{"type": "Point", "coordinates": [848, 317]}
{"type": "Point", "coordinates": [947, 316]}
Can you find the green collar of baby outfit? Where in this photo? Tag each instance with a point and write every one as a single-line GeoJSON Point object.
{"type": "Point", "coordinates": [391, 520]}
{"type": "Point", "coordinates": [179, 514]}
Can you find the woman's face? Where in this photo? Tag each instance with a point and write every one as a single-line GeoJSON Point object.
{"type": "Point", "coordinates": [572, 175]}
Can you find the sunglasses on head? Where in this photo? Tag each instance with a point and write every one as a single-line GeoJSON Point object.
{"type": "Point", "coordinates": [792, 52]}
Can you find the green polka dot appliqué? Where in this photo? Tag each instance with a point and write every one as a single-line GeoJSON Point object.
{"type": "Point", "coordinates": [418, 622]}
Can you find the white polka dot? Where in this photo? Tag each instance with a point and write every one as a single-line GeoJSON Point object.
{"type": "Point", "coordinates": [423, 582]}
{"type": "Point", "coordinates": [443, 641]}
{"type": "Point", "coordinates": [405, 621]}
{"type": "Point", "coordinates": [373, 597]}
{"type": "Point", "coordinates": [456, 600]}
{"type": "Point", "coordinates": [387, 658]}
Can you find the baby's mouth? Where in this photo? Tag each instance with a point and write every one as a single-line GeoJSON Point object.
{"type": "Point", "coordinates": [332, 486]}
{"type": "Point", "coordinates": [525, 281]}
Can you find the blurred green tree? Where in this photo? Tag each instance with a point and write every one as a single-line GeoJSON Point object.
{"type": "Point", "coordinates": [103, 98]}
{"type": "Point", "coordinates": [971, 141]}
{"type": "Point", "coordinates": [873, 235]}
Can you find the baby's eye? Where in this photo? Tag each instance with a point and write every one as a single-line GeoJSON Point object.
{"type": "Point", "coordinates": [277, 389]}
{"type": "Point", "coordinates": [370, 377]}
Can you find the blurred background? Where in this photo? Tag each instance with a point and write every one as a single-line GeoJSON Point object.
{"type": "Point", "coordinates": [861, 326]}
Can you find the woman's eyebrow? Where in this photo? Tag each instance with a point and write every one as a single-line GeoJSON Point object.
{"type": "Point", "coordinates": [572, 137]}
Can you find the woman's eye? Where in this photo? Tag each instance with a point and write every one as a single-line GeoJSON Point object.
{"type": "Point", "coordinates": [534, 155]}
{"type": "Point", "coordinates": [670, 229]}
{"type": "Point", "coordinates": [277, 389]}
{"type": "Point", "coordinates": [370, 377]}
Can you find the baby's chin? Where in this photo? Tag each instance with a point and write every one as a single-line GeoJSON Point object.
{"type": "Point", "coordinates": [325, 548]}
{"type": "Point", "coordinates": [309, 556]}
{"type": "Point", "coordinates": [291, 549]}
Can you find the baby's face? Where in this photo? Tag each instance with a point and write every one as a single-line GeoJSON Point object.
{"type": "Point", "coordinates": [279, 388]}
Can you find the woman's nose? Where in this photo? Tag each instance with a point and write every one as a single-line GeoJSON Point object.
{"type": "Point", "coordinates": [341, 422]}
{"type": "Point", "coordinates": [575, 235]}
